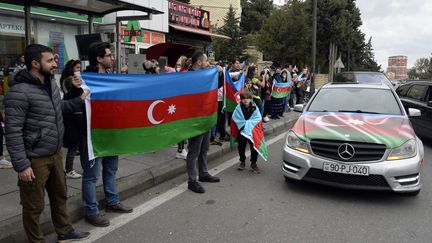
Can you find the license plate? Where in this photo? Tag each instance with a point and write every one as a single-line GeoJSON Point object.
{"type": "Point", "coordinates": [346, 169]}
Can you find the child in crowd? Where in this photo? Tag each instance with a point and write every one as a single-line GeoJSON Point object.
{"type": "Point", "coordinates": [244, 116]}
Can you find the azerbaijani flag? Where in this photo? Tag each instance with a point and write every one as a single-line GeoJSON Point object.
{"type": "Point", "coordinates": [300, 80]}
{"type": "Point", "coordinates": [252, 129]}
{"type": "Point", "coordinates": [233, 91]}
{"type": "Point", "coordinates": [281, 90]}
{"type": "Point", "coordinates": [139, 113]}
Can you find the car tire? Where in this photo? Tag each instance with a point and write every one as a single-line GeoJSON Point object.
{"type": "Point", "coordinates": [412, 194]}
{"type": "Point", "coordinates": [289, 180]}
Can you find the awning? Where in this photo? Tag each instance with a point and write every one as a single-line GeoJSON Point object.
{"type": "Point", "coordinates": [198, 31]}
{"type": "Point", "coordinates": [88, 7]}
{"type": "Point", "coordinates": [170, 49]}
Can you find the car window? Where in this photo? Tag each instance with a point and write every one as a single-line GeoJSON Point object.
{"type": "Point", "coordinates": [353, 99]}
{"type": "Point", "coordinates": [429, 97]}
{"type": "Point", "coordinates": [402, 90]}
{"type": "Point", "coordinates": [417, 92]}
{"type": "Point", "coordinates": [371, 78]}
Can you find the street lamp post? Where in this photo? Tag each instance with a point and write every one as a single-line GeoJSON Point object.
{"type": "Point", "coordinates": [314, 30]}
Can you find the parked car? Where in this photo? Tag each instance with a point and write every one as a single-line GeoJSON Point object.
{"type": "Point", "coordinates": [362, 77]}
{"type": "Point", "coordinates": [357, 136]}
{"type": "Point", "coordinates": [418, 94]}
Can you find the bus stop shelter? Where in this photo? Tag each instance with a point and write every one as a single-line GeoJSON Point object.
{"type": "Point", "coordinates": [91, 8]}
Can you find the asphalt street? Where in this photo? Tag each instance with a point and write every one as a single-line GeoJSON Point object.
{"type": "Point", "coordinates": [245, 207]}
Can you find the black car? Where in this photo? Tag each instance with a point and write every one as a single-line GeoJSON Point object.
{"type": "Point", "coordinates": [418, 94]}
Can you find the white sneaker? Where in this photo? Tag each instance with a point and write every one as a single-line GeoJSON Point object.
{"type": "Point", "coordinates": [266, 119]}
{"type": "Point", "coordinates": [73, 175]}
{"type": "Point", "coordinates": [182, 155]}
{"type": "Point", "coordinates": [5, 164]}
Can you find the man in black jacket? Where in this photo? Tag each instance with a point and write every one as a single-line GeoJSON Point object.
{"type": "Point", "coordinates": [34, 134]}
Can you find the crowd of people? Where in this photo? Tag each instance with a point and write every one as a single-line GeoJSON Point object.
{"type": "Point", "coordinates": [41, 118]}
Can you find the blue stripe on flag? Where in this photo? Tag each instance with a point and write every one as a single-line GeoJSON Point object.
{"type": "Point", "coordinates": [150, 86]}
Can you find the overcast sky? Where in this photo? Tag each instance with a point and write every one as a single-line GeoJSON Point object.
{"type": "Point", "coordinates": [397, 27]}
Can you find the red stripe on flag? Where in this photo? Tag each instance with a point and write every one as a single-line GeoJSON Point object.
{"type": "Point", "coordinates": [108, 114]}
{"type": "Point", "coordinates": [258, 134]}
{"type": "Point", "coordinates": [281, 90]}
{"type": "Point", "coordinates": [232, 94]}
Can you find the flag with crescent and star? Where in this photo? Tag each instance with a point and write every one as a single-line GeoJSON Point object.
{"type": "Point", "coordinates": [233, 90]}
{"type": "Point", "coordinates": [140, 113]}
{"type": "Point", "coordinates": [281, 90]}
{"type": "Point", "coordinates": [252, 129]}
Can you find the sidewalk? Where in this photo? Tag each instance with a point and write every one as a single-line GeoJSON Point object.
{"type": "Point", "coordinates": [136, 174]}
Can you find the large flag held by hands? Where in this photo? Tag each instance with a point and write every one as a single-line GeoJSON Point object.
{"type": "Point", "coordinates": [252, 130]}
{"type": "Point", "coordinates": [139, 113]}
{"type": "Point", "coordinates": [233, 90]}
{"type": "Point", "coordinates": [281, 90]}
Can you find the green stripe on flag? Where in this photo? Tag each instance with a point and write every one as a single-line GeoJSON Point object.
{"type": "Point", "coordinates": [109, 142]}
{"type": "Point", "coordinates": [230, 105]}
{"type": "Point", "coordinates": [279, 95]}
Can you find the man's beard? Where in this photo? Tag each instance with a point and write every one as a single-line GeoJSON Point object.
{"type": "Point", "coordinates": [45, 72]}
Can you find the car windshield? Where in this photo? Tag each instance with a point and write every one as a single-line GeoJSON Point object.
{"type": "Point", "coordinates": [363, 78]}
{"type": "Point", "coordinates": [357, 100]}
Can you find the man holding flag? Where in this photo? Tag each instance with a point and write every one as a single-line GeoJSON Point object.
{"type": "Point", "coordinates": [101, 61]}
{"type": "Point", "coordinates": [198, 146]}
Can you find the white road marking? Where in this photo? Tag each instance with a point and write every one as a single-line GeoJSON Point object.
{"type": "Point", "coordinates": [123, 219]}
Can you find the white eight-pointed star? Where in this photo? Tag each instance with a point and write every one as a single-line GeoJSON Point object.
{"type": "Point", "coordinates": [171, 109]}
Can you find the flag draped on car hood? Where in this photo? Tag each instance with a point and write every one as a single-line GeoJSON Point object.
{"type": "Point", "coordinates": [389, 130]}
{"type": "Point", "coordinates": [139, 113]}
{"type": "Point", "coordinates": [232, 91]}
{"type": "Point", "coordinates": [252, 130]}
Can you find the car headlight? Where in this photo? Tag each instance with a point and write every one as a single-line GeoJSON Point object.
{"type": "Point", "coordinates": [294, 142]}
{"type": "Point", "coordinates": [405, 151]}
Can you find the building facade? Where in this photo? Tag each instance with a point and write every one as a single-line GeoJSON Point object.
{"type": "Point", "coordinates": [51, 28]}
{"type": "Point", "coordinates": [398, 66]}
{"type": "Point", "coordinates": [218, 9]}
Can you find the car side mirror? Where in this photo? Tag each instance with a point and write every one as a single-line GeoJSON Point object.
{"type": "Point", "coordinates": [298, 107]}
{"type": "Point", "coordinates": [414, 112]}
{"type": "Point", "coordinates": [429, 103]}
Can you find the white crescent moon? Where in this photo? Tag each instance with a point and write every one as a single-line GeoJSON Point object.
{"type": "Point", "coordinates": [150, 112]}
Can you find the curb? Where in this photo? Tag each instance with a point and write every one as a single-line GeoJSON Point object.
{"type": "Point", "coordinates": [11, 230]}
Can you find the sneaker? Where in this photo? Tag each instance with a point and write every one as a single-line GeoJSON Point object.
{"type": "Point", "coordinates": [195, 187]}
{"type": "Point", "coordinates": [242, 166]}
{"type": "Point", "coordinates": [118, 208]}
{"type": "Point", "coordinates": [209, 178]}
{"type": "Point", "coordinates": [215, 142]}
{"type": "Point", "coordinates": [73, 235]}
{"type": "Point", "coordinates": [255, 169]}
{"type": "Point", "coordinates": [73, 175]}
{"type": "Point", "coordinates": [5, 164]}
{"type": "Point", "coordinates": [182, 155]}
{"type": "Point", "coordinates": [266, 119]}
{"type": "Point", "coordinates": [97, 220]}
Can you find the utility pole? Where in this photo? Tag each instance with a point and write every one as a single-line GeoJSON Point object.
{"type": "Point", "coordinates": [314, 30]}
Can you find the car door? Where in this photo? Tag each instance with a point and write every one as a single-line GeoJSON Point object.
{"type": "Point", "coordinates": [416, 98]}
{"type": "Point", "coordinates": [428, 112]}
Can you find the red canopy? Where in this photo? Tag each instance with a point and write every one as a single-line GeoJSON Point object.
{"type": "Point", "coordinates": [171, 50]}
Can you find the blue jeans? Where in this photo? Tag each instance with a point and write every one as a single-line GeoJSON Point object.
{"type": "Point", "coordinates": [91, 174]}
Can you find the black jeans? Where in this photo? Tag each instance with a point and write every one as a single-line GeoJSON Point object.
{"type": "Point", "coordinates": [242, 141]}
{"type": "Point", "coordinates": [70, 156]}
{"type": "Point", "coordinates": [197, 152]}
{"type": "Point", "coordinates": [221, 119]}
{"type": "Point", "coordinates": [1, 137]}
